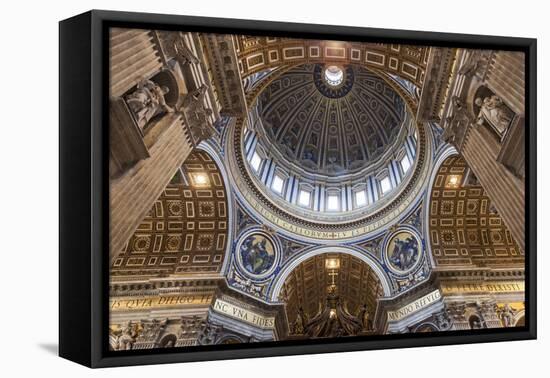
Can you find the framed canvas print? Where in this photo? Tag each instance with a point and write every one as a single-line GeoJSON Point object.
{"type": "Point", "coordinates": [234, 188]}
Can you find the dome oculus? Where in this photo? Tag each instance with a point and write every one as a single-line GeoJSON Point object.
{"type": "Point", "coordinates": [334, 75]}
{"type": "Point", "coordinates": [333, 81]}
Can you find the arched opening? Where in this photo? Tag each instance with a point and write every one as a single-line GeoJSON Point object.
{"type": "Point", "coordinates": [520, 322]}
{"type": "Point", "coordinates": [168, 341]}
{"type": "Point", "coordinates": [492, 112]}
{"type": "Point", "coordinates": [166, 78]}
{"type": "Point", "coordinates": [231, 340]}
{"type": "Point", "coordinates": [475, 322]}
{"type": "Point", "coordinates": [425, 328]}
{"type": "Point", "coordinates": [331, 295]}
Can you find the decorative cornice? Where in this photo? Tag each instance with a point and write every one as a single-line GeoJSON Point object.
{"type": "Point", "coordinates": [165, 285]}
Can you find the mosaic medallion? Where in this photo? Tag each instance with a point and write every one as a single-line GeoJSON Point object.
{"type": "Point", "coordinates": [403, 250]}
{"type": "Point", "coordinates": [257, 254]}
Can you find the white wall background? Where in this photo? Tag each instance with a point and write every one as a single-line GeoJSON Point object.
{"type": "Point", "coordinates": [29, 186]}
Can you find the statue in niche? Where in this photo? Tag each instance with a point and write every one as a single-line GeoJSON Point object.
{"type": "Point", "coordinates": [495, 112]}
{"type": "Point", "coordinates": [148, 101]}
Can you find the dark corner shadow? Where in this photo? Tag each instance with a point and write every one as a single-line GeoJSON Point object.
{"type": "Point", "coordinates": [52, 348]}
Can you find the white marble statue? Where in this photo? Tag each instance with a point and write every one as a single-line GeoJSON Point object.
{"type": "Point", "coordinates": [495, 112]}
{"type": "Point", "coordinates": [147, 101]}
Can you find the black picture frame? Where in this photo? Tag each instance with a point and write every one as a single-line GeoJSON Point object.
{"type": "Point", "coordinates": [83, 196]}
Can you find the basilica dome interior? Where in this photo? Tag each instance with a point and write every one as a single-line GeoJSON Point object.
{"type": "Point", "coordinates": [337, 136]}
{"type": "Point", "coordinates": [330, 129]}
{"type": "Point", "coordinates": [267, 188]}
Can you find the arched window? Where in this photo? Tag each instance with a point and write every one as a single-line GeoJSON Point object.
{"type": "Point", "coordinates": [520, 322]}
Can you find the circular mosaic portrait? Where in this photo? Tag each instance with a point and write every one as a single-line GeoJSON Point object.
{"type": "Point", "coordinates": [403, 251]}
{"type": "Point", "coordinates": [257, 254]}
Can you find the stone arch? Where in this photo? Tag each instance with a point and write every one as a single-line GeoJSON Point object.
{"type": "Point", "coordinates": [426, 327]}
{"type": "Point", "coordinates": [168, 79]}
{"type": "Point", "coordinates": [471, 95]}
{"type": "Point", "coordinates": [284, 272]}
{"type": "Point", "coordinates": [474, 321]}
{"type": "Point", "coordinates": [481, 92]}
{"type": "Point", "coordinates": [168, 341]}
{"type": "Point", "coordinates": [519, 319]}
{"type": "Point", "coordinates": [231, 339]}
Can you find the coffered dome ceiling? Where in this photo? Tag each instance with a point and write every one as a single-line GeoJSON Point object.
{"type": "Point", "coordinates": [331, 120]}
{"type": "Point", "coordinates": [327, 147]}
